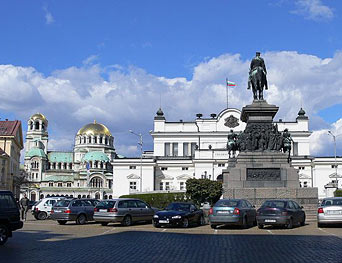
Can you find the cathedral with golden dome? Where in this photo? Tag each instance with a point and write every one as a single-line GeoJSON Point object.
{"type": "Point", "coordinates": [85, 172]}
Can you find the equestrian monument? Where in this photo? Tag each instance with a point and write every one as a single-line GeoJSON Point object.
{"type": "Point", "coordinates": [259, 164]}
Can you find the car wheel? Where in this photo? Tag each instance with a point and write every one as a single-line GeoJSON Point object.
{"type": "Point", "coordinates": [303, 222]}
{"type": "Point", "coordinates": [127, 221]}
{"type": "Point", "coordinates": [213, 226]}
{"type": "Point", "coordinates": [3, 234]}
{"type": "Point", "coordinates": [185, 223]}
{"type": "Point", "coordinates": [61, 222]}
{"type": "Point", "coordinates": [320, 225]}
{"type": "Point", "coordinates": [201, 221]}
{"type": "Point", "coordinates": [42, 215]}
{"type": "Point", "coordinates": [156, 225]}
{"type": "Point", "coordinates": [81, 219]}
{"type": "Point", "coordinates": [290, 224]}
{"type": "Point", "coordinates": [104, 223]}
{"type": "Point", "coordinates": [260, 226]}
{"type": "Point", "coordinates": [244, 222]}
{"type": "Point", "coordinates": [36, 217]}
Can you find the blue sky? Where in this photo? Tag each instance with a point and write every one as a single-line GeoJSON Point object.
{"type": "Point", "coordinates": [131, 45]}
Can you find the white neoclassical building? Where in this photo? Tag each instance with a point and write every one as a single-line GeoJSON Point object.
{"type": "Point", "coordinates": [181, 150]}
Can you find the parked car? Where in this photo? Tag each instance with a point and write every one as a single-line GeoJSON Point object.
{"type": "Point", "coordinates": [42, 209]}
{"type": "Point", "coordinates": [123, 210]}
{"type": "Point", "coordinates": [232, 212]}
{"type": "Point", "coordinates": [179, 214]}
{"type": "Point", "coordinates": [280, 212]}
{"type": "Point", "coordinates": [79, 210]}
{"type": "Point", "coordinates": [9, 216]}
{"type": "Point", "coordinates": [330, 211]}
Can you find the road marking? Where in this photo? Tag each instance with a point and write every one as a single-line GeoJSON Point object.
{"type": "Point", "coordinates": [269, 231]}
{"type": "Point", "coordinates": [164, 230]}
{"type": "Point", "coordinates": [108, 231]}
{"type": "Point", "coordinates": [39, 224]}
{"type": "Point", "coordinates": [330, 233]}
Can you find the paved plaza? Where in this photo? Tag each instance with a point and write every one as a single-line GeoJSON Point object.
{"type": "Point", "coordinates": [46, 241]}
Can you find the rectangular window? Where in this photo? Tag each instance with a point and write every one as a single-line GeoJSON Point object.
{"type": "Point", "coordinates": [185, 149]}
{"type": "Point", "coordinates": [175, 149]}
{"type": "Point", "coordinates": [161, 186]}
{"type": "Point", "coordinates": [167, 149]}
{"type": "Point", "coordinates": [305, 184]}
{"type": "Point", "coordinates": [133, 185]}
{"type": "Point", "coordinates": [163, 168]}
{"type": "Point", "coordinates": [221, 165]}
{"type": "Point", "coordinates": [50, 184]}
{"type": "Point", "coordinates": [193, 148]}
{"type": "Point", "coordinates": [60, 184]}
{"type": "Point", "coordinates": [181, 186]}
{"type": "Point", "coordinates": [301, 167]}
{"type": "Point", "coordinates": [295, 148]}
{"type": "Point", "coordinates": [334, 166]}
{"type": "Point", "coordinates": [185, 168]}
{"type": "Point", "coordinates": [132, 167]}
{"type": "Point", "coordinates": [68, 184]}
{"type": "Point", "coordinates": [167, 186]}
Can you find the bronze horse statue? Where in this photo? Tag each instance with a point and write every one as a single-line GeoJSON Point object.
{"type": "Point", "coordinates": [257, 77]}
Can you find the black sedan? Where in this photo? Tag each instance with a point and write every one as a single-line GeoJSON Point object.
{"type": "Point", "coordinates": [179, 214]}
{"type": "Point", "coordinates": [280, 212]}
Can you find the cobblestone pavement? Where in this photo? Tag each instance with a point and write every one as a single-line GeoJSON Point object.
{"type": "Point", "coordinates": [46, 241]}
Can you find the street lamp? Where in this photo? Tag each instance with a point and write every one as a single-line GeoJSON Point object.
{"type": "Point", "coordinates": [334, 137]}
{"type": "Point", "coordinates": [141, 151]}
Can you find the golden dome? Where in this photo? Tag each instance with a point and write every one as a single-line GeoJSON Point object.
{"type": "Point", "coordinates": [94, 129]}
{"type": "Point", "coordinates": [38, 116]}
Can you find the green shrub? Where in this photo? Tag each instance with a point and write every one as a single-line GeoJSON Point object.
{"type": "Point", "coordinates": [159, 200]}
{"type": "Point", "coordinates": [204, 190]}
{"type": "Point", "coordinates": [338, 193]}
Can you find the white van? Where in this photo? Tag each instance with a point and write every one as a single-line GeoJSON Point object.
{"type": "Point", "coordinates": [42, 209]}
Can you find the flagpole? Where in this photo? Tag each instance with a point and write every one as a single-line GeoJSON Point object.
{"type": "Point", "coordinates": [227, 91]}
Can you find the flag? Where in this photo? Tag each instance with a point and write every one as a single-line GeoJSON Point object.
{"type": "Point", "coordinates": [230, 84]}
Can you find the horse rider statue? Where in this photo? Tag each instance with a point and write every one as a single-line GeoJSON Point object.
{"type": "Point", "coordinates": [257, 77]}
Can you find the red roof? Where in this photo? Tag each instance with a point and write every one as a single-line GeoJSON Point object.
{"type": "Point", "coordinates": [9, 128]}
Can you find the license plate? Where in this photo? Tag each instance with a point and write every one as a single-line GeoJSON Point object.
{"type": "Point", "coordinates": [270, 220]}
{"type": "Point", "coordinates": [103, 210]}
{"type": "Point", "coordinates": [336, 212]}
{"type": "Point", "coordinates": [57, 211]}
{"type": "Point", "coordinates": [163, 221]}
{"type": "Point", "coordinates": [223, 212]}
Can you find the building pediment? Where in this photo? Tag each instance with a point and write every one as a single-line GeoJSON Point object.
{"type": "Point", "coordinates": [133, 176]}
{"type": "Point", "coordinates": [183, 177]}
{"type": "Point", "coordinates": [333, 175]}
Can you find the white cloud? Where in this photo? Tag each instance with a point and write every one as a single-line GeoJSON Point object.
{"type": "Point", "coordinates": [128, 98]}
{"type": "Point", "coordinates": [313, 10]}
{"type": "Point", "coordinates": [48, 16]}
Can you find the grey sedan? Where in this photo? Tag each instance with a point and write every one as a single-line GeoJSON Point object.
{"type": "Point", "coordinates": [232, 212]}
{"type": "Point", "coordinates": [123, 210]}
{"type": "Point", "coordinates": [330, 211]}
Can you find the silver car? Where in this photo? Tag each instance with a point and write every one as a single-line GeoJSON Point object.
{"type": "Point", "coordinates": [330, 211]}
{"type": "Point", "coordinates": [123, 210]}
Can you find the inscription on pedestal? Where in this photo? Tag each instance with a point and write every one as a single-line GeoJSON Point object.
{"type": "Point", "coordinates": [263, 174]}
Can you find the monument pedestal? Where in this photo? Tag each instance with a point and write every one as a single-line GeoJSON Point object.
{"type": "Point", "coordinates": [261, 170]}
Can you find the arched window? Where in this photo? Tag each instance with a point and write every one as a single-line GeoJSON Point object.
{"type": "Point", "coordinates": [110, 196]}
{"type": "Point", "coordinates": [95, 139]}
{"type": "Point", "coordinates": [84, 140]}
{"type": "Point", "coordinates": [106, 140]}
{"type": "Point", "coordinates": [36, 125]}
{"type": "Point", "coordinates": [80, 139]}
{"type": "Point", "coordinates": [97, 196]}
{"type": "Point", "coordinates": [100, 140]}
{"type": "Point", "coordinates": [83, 196]}
{"type": "Point", "coordinates": [41, 196]}
{"type": "Point", "coordinates": [96, 182]}
{"type": "Point", "coordinates": [43, 126]}
{"type": "Point", "coordinates": [89, 139]}
{"type": "Point", "coordinates": [79, 196]}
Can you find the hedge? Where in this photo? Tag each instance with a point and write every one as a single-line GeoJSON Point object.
{"type": "Point", "coordinates": [159, 200]}
{"type": "Point", "coordinates": [338, 193]}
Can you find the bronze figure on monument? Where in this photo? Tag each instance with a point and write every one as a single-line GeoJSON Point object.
{"type": "Point", "coordinates": [257, 77]}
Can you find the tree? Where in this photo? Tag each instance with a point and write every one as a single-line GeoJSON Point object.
{"type": "Point", "coordinates": [203, 190]}
{"type": "Point", "coordinates": [338, 193]}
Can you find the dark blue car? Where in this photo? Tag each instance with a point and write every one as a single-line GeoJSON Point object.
{"type": "Point", "coordinates": [179, 214]}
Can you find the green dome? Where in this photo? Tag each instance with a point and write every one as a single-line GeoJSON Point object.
{"type": "Point", "coordinates": [36, 152]}
{"type": "Point", "coordinates": [96, 156]}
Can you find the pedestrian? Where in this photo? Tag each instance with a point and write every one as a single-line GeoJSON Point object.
{"type": "Point", "coordinates": [24, 203]}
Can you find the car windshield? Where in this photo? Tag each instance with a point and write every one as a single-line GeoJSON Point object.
{"type": "Point", "coordinates": [227, 203]}
{"type": "Point", "coordinates": [105, 204]}
{"type": "Point", "coordinates": [62, 203]}
{"type": "Point", "coordinates": [331, 202]}
{"type": "Point", "coordinates": [178, 207]}
{"type": "Point", "coordinates": [275, 204]}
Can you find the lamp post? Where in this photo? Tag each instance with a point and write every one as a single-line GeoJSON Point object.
{"type": "Point", "coordinates": [334, 137]}
{"type": "Point", "coordinates": [141, 152]}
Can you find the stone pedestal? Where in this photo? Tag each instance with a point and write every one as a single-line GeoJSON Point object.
{"type": "Point", "coordinates": [261, 171]}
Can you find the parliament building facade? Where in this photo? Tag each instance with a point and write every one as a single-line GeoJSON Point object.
{"type": "Point", "coordinates": [181, 150]}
